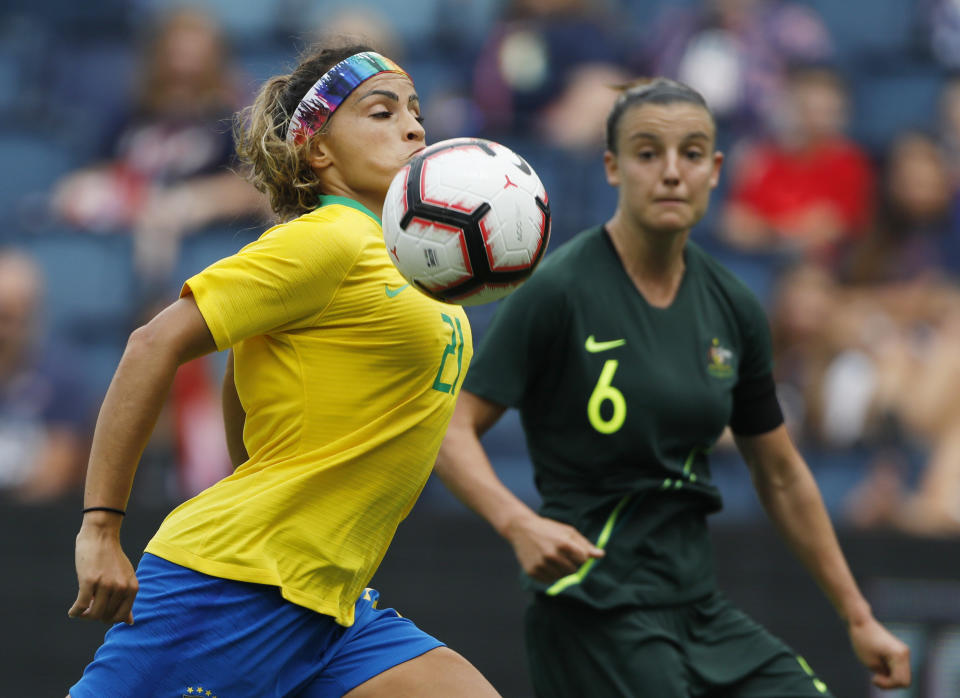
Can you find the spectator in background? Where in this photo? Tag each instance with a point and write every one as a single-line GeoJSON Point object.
{"type": "Point", "coordinates": [872, 361]}
{"type": "Point", "coordinates": [911, 368]}
{"type": "Point", "coordinates": [369, 24]}
{"type": "Point", "coordinates": [44, 419]}
{"type": "Point", "coordinates": [916, 235]}
{"type": "Point", "coordinates": [950, 128]}
{"type": "Point", "coordinates": [736, 53]}
{"type": "Point", "coordinates": [941, 24]}
{"type": "Point", "coordinates": [164, 173]}
{"type": "Point", "coordinates": [902, 282]}
{"type": "Point", "coordinates": [807, 190]}
{"type": "Point", "coordinates": [546, 70]}
{"type": "Point", "coordinates": [804, 339]}
{"type": "Point", "coordinates": [852, 370]}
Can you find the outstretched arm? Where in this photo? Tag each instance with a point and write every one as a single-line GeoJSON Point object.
{"type": "Point", "coordinates": [792, 500]}
{"type": "Point", "coordinates": [546, 549]}
{"type": "Point", "coordinates": [127, 417]}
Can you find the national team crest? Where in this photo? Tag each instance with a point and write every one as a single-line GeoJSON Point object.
{"type": "Point", "coordinates": [719, 360]}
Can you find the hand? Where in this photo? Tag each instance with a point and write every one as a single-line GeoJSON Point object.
{"type": "Point", "coordinates": [885, 655]}
{"type": "Point", "coordinates": [107, 581]}
{"type": "Point", "coordinates": [103, 199]}
{"type": "Point", "coordinates": [547, 549]}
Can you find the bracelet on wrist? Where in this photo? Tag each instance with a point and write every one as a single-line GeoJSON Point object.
{"type": "Point", "coordinates": [112, 510]}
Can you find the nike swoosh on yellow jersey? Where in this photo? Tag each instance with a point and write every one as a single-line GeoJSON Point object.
{"type": "Point", "coordinates": [593, 346]}
{"type": "Point", "coordinates": [392, 292]}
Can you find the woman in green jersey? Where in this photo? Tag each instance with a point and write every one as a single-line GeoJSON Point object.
{"type": "Point", "coordinates": [256, 586]}
{"type": "Point", "coordinates": [628, 353]}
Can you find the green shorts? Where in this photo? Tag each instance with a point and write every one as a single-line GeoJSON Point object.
{"type": "Point", "coordinates": [708, 648]}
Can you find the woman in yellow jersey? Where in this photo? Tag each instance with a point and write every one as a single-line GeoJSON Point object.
{"type": "Point", "coordinates": [345, 381]}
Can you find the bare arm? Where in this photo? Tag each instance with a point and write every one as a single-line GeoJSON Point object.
{"type": "Point", "coordinates": [234, 416]}
{"type": "Point", "coordinates": [792, 500]}
{"type": "Point", "coordinates": [127, 417]}
{"type": "Point", "coordinates": [546, 549]}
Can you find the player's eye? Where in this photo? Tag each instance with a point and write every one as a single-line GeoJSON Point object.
{"type": "Point", "coordinates": [382, 115]}
{"type": "Point", "coordinates": [419, 118]}
{"type": "Point", "coordinates": [694, 154]}
{"type": "Point", "coordinates": [646, 154]}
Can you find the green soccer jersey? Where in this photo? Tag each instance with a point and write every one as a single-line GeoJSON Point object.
{"type": "Point", "coordinates": [621, 402]}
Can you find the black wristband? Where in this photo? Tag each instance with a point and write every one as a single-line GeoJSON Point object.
{"type": "Point", "coordinates": [110, 509]}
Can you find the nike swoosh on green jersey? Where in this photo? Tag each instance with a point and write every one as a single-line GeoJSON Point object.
{"type": "Point", "coordinates": [593, 346]}
{"type": "Point", "coordinates": [392, 292]}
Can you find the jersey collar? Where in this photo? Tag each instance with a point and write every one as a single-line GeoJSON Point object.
{"type": "Point", "coordinates": [330, 200]}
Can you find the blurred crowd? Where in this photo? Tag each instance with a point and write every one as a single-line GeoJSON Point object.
{"type": "Point", "coordinates": [839, 203]}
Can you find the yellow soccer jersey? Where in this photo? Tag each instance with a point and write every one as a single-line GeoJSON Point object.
{"type": "Point", "coordinates": [348, 377]}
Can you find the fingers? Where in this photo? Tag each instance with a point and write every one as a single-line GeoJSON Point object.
{"type": "Point", "coordinates": [109, 603]}
{"type": "Point", "coordinates": [575, 555]}
{"type": "Point", "coordinates": [548, 549]}
{"type": "Point", "coordinates": [111, 611]}
{"type": "Point", "coordinates": [578, 549]}
{"type": "Point", "coordinates": [124, 611]}
{"type": "Point", "coordinates": [897, 671]}
{"type": "Point", "coordinates": [548, 572]}
{"type": "Point", "coordinates": [101, 601]}
{"type": "Point", "coordinates": [113, 605]}
{"type": "Point", "coordinates": [552, 567]}
{"type": "Point", "coordinates": [82, 604]}
{"type": "Point", "coordinates": [567, 558]}
{"type": "Point", "coordinates": [888, 682]}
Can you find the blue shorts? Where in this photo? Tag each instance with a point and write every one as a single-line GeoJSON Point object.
{"type": "Point", "coordinates": [197, 635]}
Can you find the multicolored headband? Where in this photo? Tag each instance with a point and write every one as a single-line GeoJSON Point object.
{"type": "Point", "coordinates": [332, 89]}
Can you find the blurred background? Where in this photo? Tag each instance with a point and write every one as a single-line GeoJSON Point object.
{"type": "Point", "coordinates": [839, 206]}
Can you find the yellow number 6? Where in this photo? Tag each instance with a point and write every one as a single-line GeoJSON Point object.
{"type": "Point", "coordinates": [603, 392]}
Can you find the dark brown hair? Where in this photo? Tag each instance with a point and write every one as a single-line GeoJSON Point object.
{"type": "Point", "coordinates": [649, 91]}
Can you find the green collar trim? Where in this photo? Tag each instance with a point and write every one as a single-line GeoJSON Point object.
{"type": "Point", "coordinates": [330, 200]}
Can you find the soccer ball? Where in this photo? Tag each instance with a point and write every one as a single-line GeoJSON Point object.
{"type": "Point", "coordinates": [466, 221]}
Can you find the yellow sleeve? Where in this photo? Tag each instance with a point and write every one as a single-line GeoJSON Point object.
{"type": "Point", "coordinates": [283, 281]}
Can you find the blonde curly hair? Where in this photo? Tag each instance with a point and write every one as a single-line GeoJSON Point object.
{"type": "Point", "coordinates": [274, 166]}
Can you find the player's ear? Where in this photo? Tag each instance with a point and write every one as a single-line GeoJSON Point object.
{"type": "Point", "coordinates": [320, 156]}
{"type": "Point", "coordinates": [717, 164]}
{"type": "Point", "coordinates": [612, 168]}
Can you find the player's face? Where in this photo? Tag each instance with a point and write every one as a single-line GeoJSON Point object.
{"type": "Point", "coordinates": [369, 138]}
{"type": "Point", "coordinates": [665, 166]}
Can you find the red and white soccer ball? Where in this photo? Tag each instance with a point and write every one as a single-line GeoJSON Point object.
{"type": "Point", "coordinates": [466, 221]}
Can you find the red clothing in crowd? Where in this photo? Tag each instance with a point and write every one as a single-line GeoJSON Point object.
{"type": "Point", "coordinates": [779, 185]}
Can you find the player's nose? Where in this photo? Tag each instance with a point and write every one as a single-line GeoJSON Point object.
{"type": "Point", "coordinates": [414, 129]}
{"type": "Point", "coordinates": [671, 169]}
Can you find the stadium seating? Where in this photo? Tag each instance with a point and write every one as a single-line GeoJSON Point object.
{"type": "Point", "coordinates": [90, 298]}
{"type": "Point", "coordinates": [883, 30]}
{"type": "Point", "coordinates": [31, 162]}
{"type": "Point", "coordinates": [60, 90]}
{"type": "Point", "coordinates": [893, 99]}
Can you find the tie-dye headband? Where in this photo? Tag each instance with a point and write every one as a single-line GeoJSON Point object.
{"type": "Point", "coordinates": [332, 89]}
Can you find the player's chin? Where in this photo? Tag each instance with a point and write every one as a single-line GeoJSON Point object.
{"type": "Point", "coordinates": [671, 224]}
